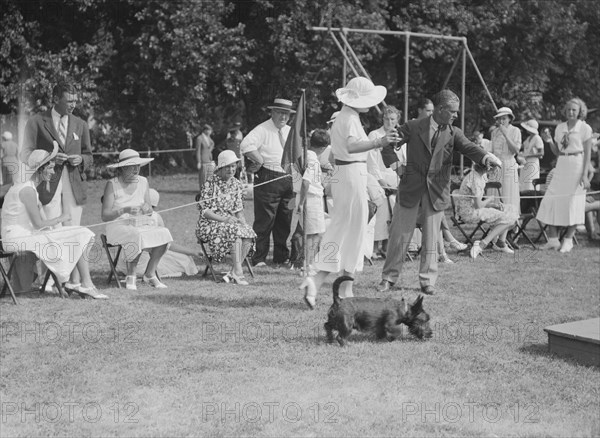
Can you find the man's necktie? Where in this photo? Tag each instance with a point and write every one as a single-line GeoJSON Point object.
{"type": "Point", "coordinates": [62, 129]}
{"type": "Point", "coordinates": [436, 135]}
{"type": "Point", "coordinates": [281, 140]}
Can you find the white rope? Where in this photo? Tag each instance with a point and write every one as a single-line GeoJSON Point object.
{"type": "Point", "coordinates": [459, 195]}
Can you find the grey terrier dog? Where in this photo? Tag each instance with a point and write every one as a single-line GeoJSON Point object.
{"type": "Point", "coordinates": [381, 316]}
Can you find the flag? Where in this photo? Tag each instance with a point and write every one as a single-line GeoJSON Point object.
{"type": "Point", "coordinates": [294, 151]}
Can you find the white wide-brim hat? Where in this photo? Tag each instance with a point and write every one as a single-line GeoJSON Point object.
{"type": "Point", "coordinates": [360, 92]}
{"type": "Point", "coordinates": [505, 111]}
{"type": "Point", "coordinates": [129, 157]}
{"type": "Point", "coordinates": [226, 158]}
{"type": "Point", "coordinates": [282, 105]}
{"type": "Point", "coordinates": [39, 157]}
{"type": "Point", "coordinates": [531, 126]}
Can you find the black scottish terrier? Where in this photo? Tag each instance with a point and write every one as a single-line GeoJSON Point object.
{"type": "Point", "coordinates": [381, 316]}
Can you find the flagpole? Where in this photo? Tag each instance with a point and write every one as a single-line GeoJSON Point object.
{"type": "Point", "coordinates": [304, 158]}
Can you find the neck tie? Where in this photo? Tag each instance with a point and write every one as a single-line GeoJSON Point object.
{"type": "Point", "coordinates": [281, 140]}
{"type": "Point", "coordinates": [62, 129]}
{"type": "Point", "coordinates": [436, 135]}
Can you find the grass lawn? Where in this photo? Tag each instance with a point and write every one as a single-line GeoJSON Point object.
{"type": "Point", "coordinates": [206, 359]}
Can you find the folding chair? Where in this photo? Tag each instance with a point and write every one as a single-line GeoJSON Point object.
{"type": "Point", "coordinates": [112, 260]}
{"type": "Point", "coordinates": [538, 182]}
{"type": "Point", "coordinates": [209, 259]}
{"type": "Point", "coordinates": [12, 257]}
{"type": "Point", "coordinates": [458, 222]}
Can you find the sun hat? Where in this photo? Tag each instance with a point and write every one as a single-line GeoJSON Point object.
{"type": "Point", "coordinates": [282, 104]}
{"type": "Point", "coordinates": [7, 135]}
{"type": "Point", "coordinates": [129, 157]}
{"type": "Point", "coordinates": [39, 157]}
{"type": "Point", "coordinates": [226, 158]}
{"type": "Point", "coordinates": [333, 117]}
{"type": "Point", "coordinates": [360, 92]}
{"type": "Point", "coordinates": [154, 197]}
{"type": "Point", "coordinates": [505, 111]}
{"type": "Point", "coordinates": [531, 126]}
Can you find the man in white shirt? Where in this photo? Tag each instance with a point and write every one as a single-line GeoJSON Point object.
{"type": "Point", "coordinates": [263, 150]}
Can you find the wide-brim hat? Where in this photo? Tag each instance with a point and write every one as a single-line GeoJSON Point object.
{"type": "Point", "coordinates": [39, 157]}
{"type": "Point", "coordinates": [531, 126]}
{"type": "Point", "coordinates": [129, 157]}
{"type": "Point", "coordinates": [226, 158]}
{"type": "Point", "coordinates": [360, 92]}
{"type": "Point", "coordinates": [283, 105]}
{"type": "Point", "coordinates": [505, 111]}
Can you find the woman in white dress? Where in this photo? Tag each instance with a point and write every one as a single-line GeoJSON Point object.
{"type": "Point", "coordinates": [533, 150]}
{"type": "Point", "coordinates": [133, 224]}
{"type": "Point", "coordinates": [342, 244]}
{"type": "Point", "coordinates": [563, 204]}
{"type": "Point", "coordinates": [25, 228]}
{"type": "Point", "coordinates": [506, 143]}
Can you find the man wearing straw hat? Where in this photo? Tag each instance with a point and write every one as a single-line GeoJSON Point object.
{"type": "Point", "coordinates": [263, 149]}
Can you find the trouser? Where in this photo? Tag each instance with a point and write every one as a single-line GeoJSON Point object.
{"type": "Point", "coordinates": [272, 215]}
{"type": "Point", "coordinates": [64, 202]}
{"type": "Point", "coordinates": [403, 225]}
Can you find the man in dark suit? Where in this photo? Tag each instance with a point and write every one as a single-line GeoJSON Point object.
{"type": "Point", "coordinates": [67, 191]}
{"type": "Point", "coordinates": [431, 142]}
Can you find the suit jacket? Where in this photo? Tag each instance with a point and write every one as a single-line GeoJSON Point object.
{"type": "Point", "coordinates": [40, 133]}
{"type": "Point", "coordinates": [426, 170]}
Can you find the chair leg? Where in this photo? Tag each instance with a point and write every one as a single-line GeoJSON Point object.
{"type": "Point", "coordinates": [249, 265]}
{"type": "Point", "coordinates": [209, 265]}
{"type": "Point", "coordinates": [111, 261]}
{"type": "Point", "coordinates": [61, 291]}
{"type": "Point", "coordinates": [7, 284]}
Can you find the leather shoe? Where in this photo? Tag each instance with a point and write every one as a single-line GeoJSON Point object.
{"type": "Point", "coordinates": [428, 290]}
{"type": "Point", "coordinates": [384, 286]}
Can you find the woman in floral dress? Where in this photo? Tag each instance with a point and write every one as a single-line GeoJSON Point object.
{"type": "Point", "coordinates": [222, 223]}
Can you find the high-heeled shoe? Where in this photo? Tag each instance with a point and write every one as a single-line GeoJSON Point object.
{"type": "Point", "coordinates": [235, 279]}
{"type": "Point", "coordinates": [310, 292]}
{"type": "Point", "coordinates": [154, 282]}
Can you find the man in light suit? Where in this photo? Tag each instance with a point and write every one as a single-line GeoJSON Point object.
{"type": "Point", "coordinates": [431, 142]}
{"type": "Point", "coordinates": [66, 192]}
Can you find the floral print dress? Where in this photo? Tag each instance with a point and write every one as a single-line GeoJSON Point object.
{"type": "Point", "coordinates": [223, 198]}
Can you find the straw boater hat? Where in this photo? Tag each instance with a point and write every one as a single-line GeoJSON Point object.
{"type": "Point", "coordinates": [531, 126]}
{"type": "Point", "coordinates": [360, 92]}
{"type": "Point", "coordinates": [226, 158]}
{"type": "Point", "coordinates": [283, 105]}
{"type": "Point", "coordinates": [39, 157]}
{"type": "Point", "coordinates": [505, 111]}
{"type": "Point", "coordinates": [129, 157]}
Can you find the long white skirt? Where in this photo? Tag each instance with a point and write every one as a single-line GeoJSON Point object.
{"type": "Point", "coordinates": [137, 236]}
{"type": "Point", "coordinates": [59, 249]}
{"type": "Point", "coordinates": [342, 243]}
{"type": "Point", "coordinates": [563, 204]}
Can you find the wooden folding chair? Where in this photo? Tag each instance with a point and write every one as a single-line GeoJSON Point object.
{"type": "Point", "coordinates": [112, 260]}
{"type": "Point", "coordinates": [458, 223]}
{"type": "Point", "coordinates": [209, 259]}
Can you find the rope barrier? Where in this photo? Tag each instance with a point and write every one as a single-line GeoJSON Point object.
{"type": "Point", "coordinates": [146, 152]}
{"type": "Point", "coordinates": [459, 195]}
{"type": "Point", "coordinates": [149, 214]}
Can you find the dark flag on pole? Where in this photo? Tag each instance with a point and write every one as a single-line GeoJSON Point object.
{"type": "Point", "coordinates": [294, 152]}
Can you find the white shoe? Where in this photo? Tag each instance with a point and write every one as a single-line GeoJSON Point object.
{"type": "Point", "coordinates": [445, 259]}
{"type": "Point", "coordinates": [551, 244]}
{"type": "Point", "coordinates": [567, 246]}
{"type": "Point", "coordinates": [459, 246]}
{"type": "Point", "coordinates": [476, 249]}
{"type": "Point", "coordinates": [130, 282]}
{"type": "Point", "coordinates": [154, 282]}
{"type": "Point", "coordinates": [504, 248]}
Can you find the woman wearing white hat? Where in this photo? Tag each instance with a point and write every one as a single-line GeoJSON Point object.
{"type": "Point", "coordinates": [222, 223]}
{"type": "Point", "coordinates": [563, 204]}
{"type": "Point", "coordinates": [506, 143]}
{"type": "Point", "coordinates": [533, 150]}
{"type": "Point", "coordinates": [126, 203]}
{"type": "Point", "coordinates": [342, 243]}
{"type": "Point", "coordinates": [25, 228]}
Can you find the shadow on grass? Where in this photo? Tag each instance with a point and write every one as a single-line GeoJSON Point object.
{"type": "Point", "coordinates": [542, 351]}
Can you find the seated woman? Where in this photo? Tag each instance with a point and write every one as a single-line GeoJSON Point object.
{"type": "Point", "coordinates": [25, 228]}
{"type": "Point", "coordinates": [126, 204]}
{"type": "Point", "coordinates": [471, 207]}
{"type": "Point", "coordinates": [222, 223]}
{"type": "Point", "coordinates": [176, 261]}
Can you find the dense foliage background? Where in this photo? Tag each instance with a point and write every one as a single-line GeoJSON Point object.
{"type": "Point", "coordinates": [152, 72]}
